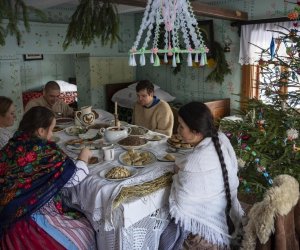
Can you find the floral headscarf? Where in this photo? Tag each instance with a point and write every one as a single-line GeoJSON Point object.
{"type": "Point", "coordinates": [32, 171]}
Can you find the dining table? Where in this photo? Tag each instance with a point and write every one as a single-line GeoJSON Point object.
{"type": "Point", "coordinates": [129, 213]}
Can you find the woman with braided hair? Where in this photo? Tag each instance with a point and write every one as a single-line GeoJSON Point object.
{"type": "Point", "coordinates": [205, 211]}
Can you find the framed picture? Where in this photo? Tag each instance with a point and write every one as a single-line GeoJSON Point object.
{"type": "Point", "coordinates": [206, 28]}
{"type": "Point", "coordinates": [29, 57]}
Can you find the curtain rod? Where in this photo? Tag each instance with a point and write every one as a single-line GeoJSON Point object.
{"type": "Point", "coordinates": [258, 21]}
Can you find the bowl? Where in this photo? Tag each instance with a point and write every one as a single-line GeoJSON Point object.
{"type": "Point", "coordinates": [132, 142]}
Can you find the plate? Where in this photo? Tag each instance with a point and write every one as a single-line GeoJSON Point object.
{"type": "Point", "coordinates": [55, 139]}
{"type": "Point", "coordinates": [137, 158]}
{"type": "Point", "coordinates": [138, 131]}
{"type": "Point", "coordinates": [94, 160]}
{"type": "Point", "coordinates": [132, 142]}
{"type": "Point", "coordinates": [155, 137]}
{"type": "Point", "coordinates": [166, 158]}
{"type": "Point", "coordinates": [98, 126]}
{"type": "Point", "coordinates": [64, 121]}
{"type": "Point", "coordinates": [75, 130]}
{"type": "Point", "coordinates": [132, 171]}
{"type": "Point", "coordinates": [179, 145]}
{"type": "Point", "coordinates": [78, 144]}
{"type": "Point", "coordinates": [57, 129]}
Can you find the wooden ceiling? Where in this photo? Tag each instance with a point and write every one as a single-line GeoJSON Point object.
{"type": "Point", "coordinates": [200, 9]}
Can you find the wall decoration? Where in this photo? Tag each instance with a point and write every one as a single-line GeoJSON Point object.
{"type": "Point", "coordinates": [29, 57]}
{"type": "Point", "coordinates": [206, 28]}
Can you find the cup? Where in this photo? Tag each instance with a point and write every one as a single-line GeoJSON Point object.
{"type": "Point", "coordinates": [108, 153]}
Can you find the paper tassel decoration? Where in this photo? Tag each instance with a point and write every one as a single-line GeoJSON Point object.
{"type": "Point", "coordinates": [174, 65]}
{"type": "Point", "coordinates": [196, 57]}
{"type": "Point", "coordinates": [189, 60]}
{"type": "Point", "coordinates": [202, 60]}
{"type": "Point", "coordinates": [157, 61]}
{"type": "Point", "coordinates": [165, 58]}
{"type": "Point", "coordinates": [133, 61]}
{"type": "Point", "coordinates": [177, 59]}
{"type": "Point", "coordinates": [142, 60]}
{"type": "Point", "coordinates": [151, 58]}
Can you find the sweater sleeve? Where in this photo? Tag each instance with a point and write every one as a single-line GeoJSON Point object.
{"type": "Point", "coordinates": [165, 119]}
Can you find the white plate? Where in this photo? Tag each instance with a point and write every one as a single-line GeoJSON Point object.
{"type": "Point", "coordinates": [151, 160]}
{"type": "Point", "coordinates": [91, 133]}
{"type": "Point", "coordinates": [155, 137]}
{"type": "Point", "coordinates": [74, 130]}
{"type": "Point", "coordinates": [132, 170]}
{"type": "Point", "coordinates": [92, 145]}
{"type": "Point", "coordinates": [55, 139]}
{"type": "Point", "coordinates": [161, 158]}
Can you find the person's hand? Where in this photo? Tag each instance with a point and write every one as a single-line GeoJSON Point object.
{"type": "Point", "coordinates": [85, 155]}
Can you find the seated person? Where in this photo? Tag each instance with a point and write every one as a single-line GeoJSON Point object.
{"type": "Point", "coordinates": [151, 112]}
{"type": "Point", "coordinates": [50, 99]}
{"type": "Point", "coordinates": [203, 199]}
{"type": "Point", "coordinates": [33, 171]}
{"type": "Point", "coordinates": [7, 118]}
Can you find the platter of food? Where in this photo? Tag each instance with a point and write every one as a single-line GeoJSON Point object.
{"type": "Point", "coordinates": [167, 158]}
{"type": "Point", "coordinates": [137, 158]}
{"type": "Point", "coordinates": [155, 137]}
{"type": "Point", "coordinates": [64, 121]}
{"type": "Point", "coordinates": [138, 131]}
{"type": "Point", "coordinates": [57, 129]}
{"type": "Point", "coordinates": [118, 173]}
{"type": "Point", "coordinates": [176, 142]}
{"type": "Point", "coordinates": [94, 160]}
{"type": "Point", "coordinates": [98, 126]}
{"type": "Point", "coordinates": [132, 142]}
{"type": "Point", "coordinates": [74, 130]}
{"type": "Point", "coordinates": [78, 144]}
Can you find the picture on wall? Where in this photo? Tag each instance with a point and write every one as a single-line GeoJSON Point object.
{"type": "Point", "coordinates": [29, 57]}
{"type": "Point", "coordinates": [206, 28]}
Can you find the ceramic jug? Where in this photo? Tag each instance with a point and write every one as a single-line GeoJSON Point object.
{"type": "Point", "coordinates": [114, 134]}
{"type": "Point", "coordinates": [85, 116]}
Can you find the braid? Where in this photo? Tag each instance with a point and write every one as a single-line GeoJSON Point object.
{"type": "Point", "coordinates": [216, 142]}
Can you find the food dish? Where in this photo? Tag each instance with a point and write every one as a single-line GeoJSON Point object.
{"type": "Point", "coordinates": [94, 160]}
{"type": "Point", "coordinates": [155, 137]}
{"type": "Point", "coordinates": [75, 130]}
{"type": "Point", "coordinates": [57, 129]}
{"type": "Point", "coordinates": [176, 142]}
{"type": "Point", "coordinates": [78, 144]}
{"type": "Point", "coordinates": [137, 158]}
{"type": "Point", "coordinates": [98, 126]}
{"type": "Point", "coordinates": [55, 139]}
{"type": "Point", "coordinates": [138, 131]}
{"type": "Point", "coordinates": [166, 158]}
{"type": "Point", "coordinates": [132, 142]}
{"type": "Point", "coordinates": [64, 121]}
{"type": "Point", "coordinates": [104, 172]}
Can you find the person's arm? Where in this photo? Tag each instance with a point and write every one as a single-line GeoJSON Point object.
{"type": "Point", "coordinates": [165, 120]}
{"type": "Point", "coordinates": [81, 168]}
{"type": "Point", "coordinates": [67, 110]}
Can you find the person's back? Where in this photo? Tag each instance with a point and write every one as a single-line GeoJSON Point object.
{"type": "Point", "coordinates": [50, 99]}
{"type": "Point", "coordinates": [151, 112]}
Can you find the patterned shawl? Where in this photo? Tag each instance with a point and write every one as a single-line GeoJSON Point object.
{"type": "Point", "coordinates": [32, 171]}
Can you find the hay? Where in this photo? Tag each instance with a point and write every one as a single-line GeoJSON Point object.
{"type": "Point", "coordinates": [144, 189]}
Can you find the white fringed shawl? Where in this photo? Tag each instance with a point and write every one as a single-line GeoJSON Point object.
{"type": "Point", "coordinates": [197, 199]}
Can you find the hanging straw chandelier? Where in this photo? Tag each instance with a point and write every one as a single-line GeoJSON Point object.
{"type": "Point", "coordinates": [168, 18]}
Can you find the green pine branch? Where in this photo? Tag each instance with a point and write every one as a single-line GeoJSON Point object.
{"type": "Point", "coordinates": [93, 19]}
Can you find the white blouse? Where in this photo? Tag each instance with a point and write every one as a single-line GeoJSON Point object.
{"type": "Point", "coordinates": [5, 135]}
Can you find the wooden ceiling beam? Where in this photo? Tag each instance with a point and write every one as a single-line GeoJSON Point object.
{"type": "Point", "coordinates": [199, 9]}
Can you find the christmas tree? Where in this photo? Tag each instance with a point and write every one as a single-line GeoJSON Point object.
{"type": "Point", "coordinates": [267, 140]}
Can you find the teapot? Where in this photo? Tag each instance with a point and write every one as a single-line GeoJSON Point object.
{"type": "Point", "coordinates": [114, 134]}
{"type": "Point", "coordinates": [85, 116]}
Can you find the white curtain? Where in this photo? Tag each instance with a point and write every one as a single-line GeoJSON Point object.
{"type": "Point", "coordinates": [259, 35]}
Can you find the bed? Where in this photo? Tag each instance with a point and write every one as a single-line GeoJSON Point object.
{"type": "Point", "coordinates": [219, 108]}
{"type": "Point", "coordinates": [68, 93]}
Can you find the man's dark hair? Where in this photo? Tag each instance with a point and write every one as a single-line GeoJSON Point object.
{"type": "Point", "coordinates": [145, 84]}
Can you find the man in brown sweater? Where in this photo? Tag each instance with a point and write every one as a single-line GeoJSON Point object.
{"type": "Point", "coordinates": [50, 99]}
{"type": "Point", "coordinates": [151, 112]}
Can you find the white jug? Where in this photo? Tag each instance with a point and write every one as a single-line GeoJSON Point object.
{"type": "Point", "coordinates": [85, 116]}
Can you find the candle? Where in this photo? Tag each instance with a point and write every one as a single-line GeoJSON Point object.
{"type": "Point", "coordinates": [116, 108]}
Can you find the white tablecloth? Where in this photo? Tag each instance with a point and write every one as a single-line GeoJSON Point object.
{"type": "Point", "coordinates": [135, 224]}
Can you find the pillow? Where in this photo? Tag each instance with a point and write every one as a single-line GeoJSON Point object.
{"type": "Point", "coordinates": [65, 86]}
{"type": "Point", "coordinates": [132, 86]}
{"type": "Point", "coordinates": [127, 97]}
